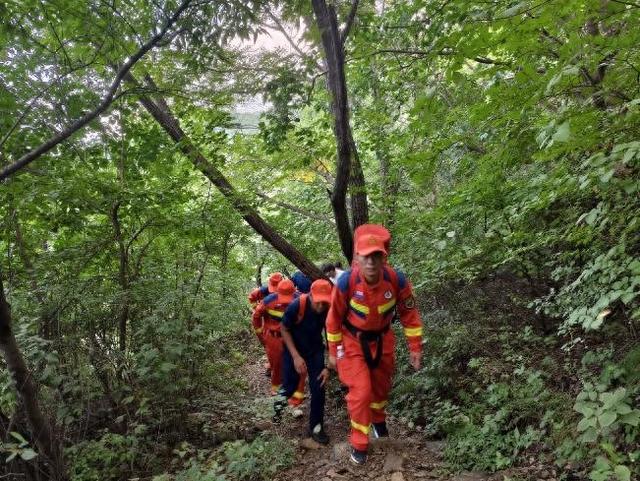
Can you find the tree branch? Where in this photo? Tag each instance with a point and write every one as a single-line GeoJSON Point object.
{"type": "Point", "coordinates": [350, 19]}
{"type": "Point", "coordinates": [297, 210]}
{"type": "Point", "coordinates": [160, 111]}
{"type": "Point", "coordinates": [293, 44]}
{"type": "Point", "coordinates": [102, 106]}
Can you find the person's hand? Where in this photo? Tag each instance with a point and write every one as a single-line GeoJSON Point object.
{"type": "Point", "coordinates": [300, 365]}
{"type": "Point", "coordinates": [323, 377]}
{"type": "Point", "coordinates": [414, 359]}
{"type": "Point", "coordinates": [332, 363]}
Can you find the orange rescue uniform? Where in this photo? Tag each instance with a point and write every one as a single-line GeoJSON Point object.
{"type": "Point", "coordinates": [359, 320]}
{"type": "Point", "coordinates": [266, 321]}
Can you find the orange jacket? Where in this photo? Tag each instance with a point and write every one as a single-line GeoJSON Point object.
{"type": "Point", "coordinates": [371, 307]}
{"type": "Point", "coordinates": [258, 294]}
{"type": "Point", "coordinates": [268, 314]}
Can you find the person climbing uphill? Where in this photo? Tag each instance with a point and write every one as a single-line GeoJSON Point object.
{"type": "Point", "coordinates": [361, 342]}
{"type": "Point", "coordinates": [255, 297]}
{"type": "Point", "coordinates": [302, 282]}
{"type": "Point", "coordinates": [267, 316]}
{"type": "Point", "coordinates": [259, 293]}
{"type": "Point", "coordinates": [302, 326]}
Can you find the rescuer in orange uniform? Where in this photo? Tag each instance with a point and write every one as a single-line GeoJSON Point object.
{"type": "Point", "coordinates": [261, 292]}
{"type": "Point", "coordinates": [361, 342]}
{"type": "Point", "coordinates": [266, 319]}
{"type": "Point", "coordinates": [255, 296]}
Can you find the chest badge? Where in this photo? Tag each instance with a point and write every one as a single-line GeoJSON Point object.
{"type": "Point", "coordinates": [388, 295]}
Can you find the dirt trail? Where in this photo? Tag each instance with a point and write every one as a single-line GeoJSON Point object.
{"type": "Point", "coordinates": [406, 456]}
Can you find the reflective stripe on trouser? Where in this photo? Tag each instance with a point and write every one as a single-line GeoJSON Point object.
{"type": "Point", "coordinates": [293, 385]}
{"type": "Point", "coordinates": [274, 347]}
{"type": "Point", "coordinates": [315, 365]}
{"type": "Point", "coordinates": [367, 387]}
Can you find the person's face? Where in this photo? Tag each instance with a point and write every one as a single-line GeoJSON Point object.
{"type": "Point", "coordinates": [370, 266]}
{"type": "Point", "coordinates": [319, 307]}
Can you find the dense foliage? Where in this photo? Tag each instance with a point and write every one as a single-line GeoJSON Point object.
{"type": "Point", "coordinates": [500, 143]}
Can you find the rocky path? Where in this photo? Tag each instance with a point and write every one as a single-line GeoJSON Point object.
{"type": "Point", "coordinates": [406, 456]}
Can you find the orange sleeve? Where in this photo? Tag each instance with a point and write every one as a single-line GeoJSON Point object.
{"type": "Point", "coordinates": [409, 316]}
{"type": "Point", "coordinates": [255, 295]}
{"type": "Point", "coordinates": [257, 319]}
{"type": "Point", "coordinates": [337, 313]}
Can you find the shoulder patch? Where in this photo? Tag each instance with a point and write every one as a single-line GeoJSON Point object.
{"type": "Point", "coordinates": [410, 302]}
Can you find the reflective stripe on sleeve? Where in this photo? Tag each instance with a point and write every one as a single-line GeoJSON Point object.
{"type": "Point", "coordinates": [378, 405]}
{"type": "Point", "coordinates": [334, 337]}
{"type": "Point", "coordinates": [413, 331]}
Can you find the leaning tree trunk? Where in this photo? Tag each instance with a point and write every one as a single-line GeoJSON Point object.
{"type": "Point", "coordinates": [160, 111]}
{"type": "Point", "coordinates": [48, 446]}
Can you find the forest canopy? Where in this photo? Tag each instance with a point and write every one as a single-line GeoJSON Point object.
{"type": "Point", "coordinates": [159, 159]}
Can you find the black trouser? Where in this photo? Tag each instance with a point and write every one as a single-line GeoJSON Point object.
{"type": "Point", "coordinates": [315, 365]}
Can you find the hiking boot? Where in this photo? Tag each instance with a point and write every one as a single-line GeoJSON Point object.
{"type": "Point", "coordinates": [380, 430]}
{"type": "Point", "coordinates": [358, 457]}
{"type": "Point", "coordinates": [318, 435]}
{"type": "Point", "coordinates": [278, 409]}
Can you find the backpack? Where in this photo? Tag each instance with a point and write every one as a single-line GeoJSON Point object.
{"type": "Point", "coordinates": [302, 307]}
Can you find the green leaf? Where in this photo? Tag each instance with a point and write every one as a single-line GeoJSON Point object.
{"type": "Point", "coordinates": [167, 366]}
{"type": "Point", "coordinates": [586, 423]}
{"type": "Point", "coordinates": [632, 419]}
{"type": "Point", "coordinates": [589, 436]}
{"type": "Point", "coordinates": [607, 418]}
{"type": "Point", "coordinates": [623, 408]}
{"type": "Point", "coordinates": [28, 454]}
{"type": "Point", "coordinates": [622, 473]}
{"type": "Point", "coordinates": [563, 133]}
{"type": "Point", "coordinates": [606, 177]}
{"type": "Point", "coordinates": [19, 437]}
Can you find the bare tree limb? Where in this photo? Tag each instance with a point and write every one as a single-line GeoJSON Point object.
{"type": "Point", "coordinates": [350, 19]}
{"type": "Point", "coordinates": [293, 44]}
{"type": "Point", "coordinates": [296, 209]}
{"type": "Point", "coordinates": [107, 100]}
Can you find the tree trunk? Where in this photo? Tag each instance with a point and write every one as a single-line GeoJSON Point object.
{"type": "Point", "coordinates": [160, 111]}
{"type": "Point", "coordinates": [259, 272]}
{"type": "Point", "coordinates": [47, 322]}
{"type": "Point", "coordinates": [123, 277]}
{"type": "Point", "coordinates": [48, 446]}
{"type": "Point", "coordinates": [358, 190]}
{"type": "Point", "coordinates": [332, 44]}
